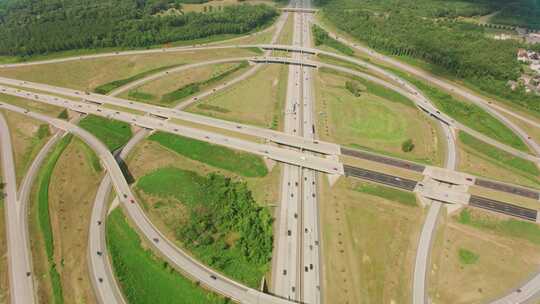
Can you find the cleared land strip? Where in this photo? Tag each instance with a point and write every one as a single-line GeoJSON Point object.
{"type": "Point", "coordinates": [167, 249]}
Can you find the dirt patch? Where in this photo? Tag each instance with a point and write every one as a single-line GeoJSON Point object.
{"type": "Point", "coordinates": [71, 196]}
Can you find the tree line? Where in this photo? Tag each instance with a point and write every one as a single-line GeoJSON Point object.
{"type": "Point", "coordinates": [459, 48]}
{"type": "Point", "coordinates": [32, 27]}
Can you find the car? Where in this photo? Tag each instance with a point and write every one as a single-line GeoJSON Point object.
{"type": "Point", "coordinates": [132, 201]}
{"type": "Point", "coordinates": [100, 280]}
{"type": "Point", "coordinates": [289, 232]}
{"type": "Point", "coordinates": [284, 271]}
{"type": "Point", "coordinates": [213, 277]}
{"type": "Point", "coordinates": [156, 240]}
{"type": "Point", "coordinates": [305, 269]}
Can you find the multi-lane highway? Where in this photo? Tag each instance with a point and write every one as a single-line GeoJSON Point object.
{"type": "Point", "coordinates": [103, 280]}
{"type": "Point", "coordinates": [297, 263]}
{"type": "Point", "coordinates": [19, 265]}
{"type": "Point", "coordinates": [174, 255]}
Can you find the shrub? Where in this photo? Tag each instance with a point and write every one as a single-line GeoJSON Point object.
{"type": "Point", "coordinates": [407, 145]}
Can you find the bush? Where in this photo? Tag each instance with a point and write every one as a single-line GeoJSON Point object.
{"type": "Point", "coordinates": [354, 88]}
{"type": "Point", "coordinates": [467, 257]}
{"type": "Point", "coordinates": [64, 114]}
{"type": "Point", "coordinates": [407, 145]}
{"type": "Point", "coordinates": [43, 131]}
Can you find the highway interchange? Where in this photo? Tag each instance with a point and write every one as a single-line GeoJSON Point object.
{"type": "Point", "coordinates": [296, 267]}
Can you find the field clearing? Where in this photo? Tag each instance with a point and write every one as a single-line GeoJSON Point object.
{"type": "Point", "coordinates": [258, 100]}
{"type": "Point", "coordinates": [156, 90]}
{"type": "Point", "coordinates": [476, 162]}
{"type": "Point", "coordinates": [145, 278]}
{"type": "Point", "coordinates": [369, 245]}
{"type": "Point", "coordinates": [374, 122]}
{"type": "Point", "coordinates": [91, 73]}
{"type": "Point", "coordinates": [4, 275]}
{"type": "Point", "coordinates": [26, 140]}
{"type": "Point", "coordinates": [503, 263]}
{"type": "Point", "coordinates": [71, 195]}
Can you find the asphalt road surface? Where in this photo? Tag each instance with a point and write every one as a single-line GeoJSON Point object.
{"type": "Point", "coordinates": [505, 208]}
{"type": "Point", "coordinates": [19, 265]}
{"type": "Point", "coordinates": [174, 255]}
{"type": "Point", "coordinates": [507, 188]}
{"type": "Point", "coordinates": [383, 159]}
{"type": "Point", "coordinates": [381, 178]}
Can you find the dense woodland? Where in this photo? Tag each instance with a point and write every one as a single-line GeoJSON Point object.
{"type": "Point", "coordinates": [42, 26]}
{"type": "Point", "coordinates": [430, 30]}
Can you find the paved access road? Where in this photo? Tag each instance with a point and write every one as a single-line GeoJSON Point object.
{"type": "Point", "coordinates": [174, 255]}
{"type": "Point", "coordinates": [19, 265]}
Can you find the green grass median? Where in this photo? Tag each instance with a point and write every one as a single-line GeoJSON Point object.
{"type": "Point", "coordinates": [144, 277]}
{"type": "Point", "coordinates": [44, 220]}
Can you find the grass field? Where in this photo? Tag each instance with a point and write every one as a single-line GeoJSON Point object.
{"type": "Point", "coordinates": [242, 163]}
{"type": "Point", "coordinates": [42, 232]}
{"type": "Point", "coordinates": [88, 74]}
{"type": "Point", "coordinates": [143, 277]}
{"type": "Point", "coordinates": [257, 100]}
{"type": "Point", "coordinates": [110, 86]}
{"type": "Point", "coordinates": [483, 159]}
{"type": "Point", "coordinates": [472, 263]}
{"type": "Point", "coordinates": [377, 120]}
{"type": "Point", "coordinates": [71, 194]}
{"type": "Point", "coordinates": [27, 137]}
{"type": "Point", "coordinates": [168, 91]}
{"type": "Point", "coordinates": [113, 133]}
{"type": "Point", "coordinates": [369, 245]}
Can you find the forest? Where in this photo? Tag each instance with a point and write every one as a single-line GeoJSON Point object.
{"type": "Point", "coordinates": [429, 30]}
{"type": "Point", "coordinates": [32, 27]}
